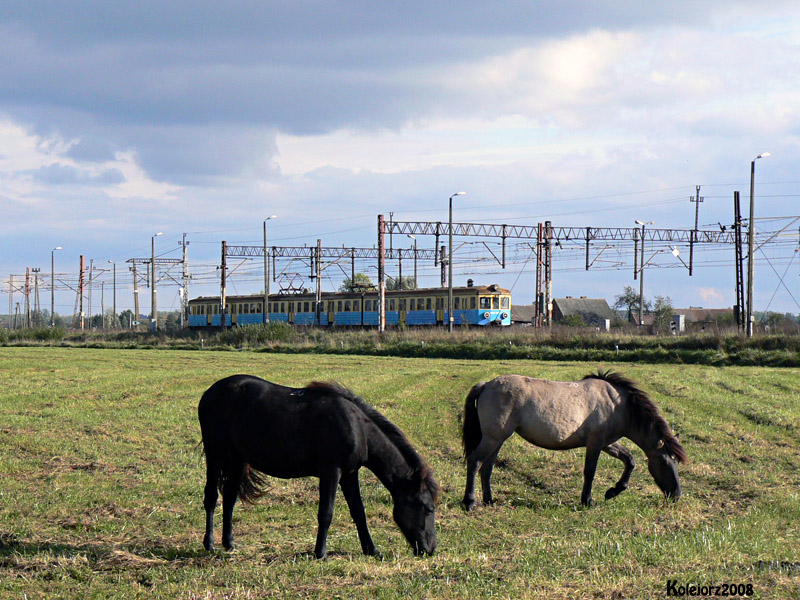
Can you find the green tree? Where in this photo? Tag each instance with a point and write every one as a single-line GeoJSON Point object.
{"type": "Point", "coordinates": [402, 283]}
{"type": "Point", "coordinates": [126, 318]}
{"type": "Point", "coordinates": [360, 281]}
{"type": "Point", "coordinates": [662, 311]}
{"type": "Point", "coordinates": [629, 300]}
{"type": "Point", "coordinates": [573, 320]}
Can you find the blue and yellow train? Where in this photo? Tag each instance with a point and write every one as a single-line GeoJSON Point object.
{"type": "Point", "coordinates": [473, 305]}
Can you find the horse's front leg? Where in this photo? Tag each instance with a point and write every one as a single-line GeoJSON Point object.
{"type": "Point", "coordinates": [352, 493]}
{"type": "Point", "coordinates": [327, 496]}
{"type": "Point", "coordinates": [589, 469]}
{"type": "Point", "coordinates": [619, 452]}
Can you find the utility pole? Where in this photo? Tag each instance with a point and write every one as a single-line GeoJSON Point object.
{"type": "Point", "coordinates": [738, 260]}
{"type": "Point", "coordinates": [153, 291]}
{"type": "Point", "coordinates": [697, 200]}
{"type": "Point", "coordinates": [27, 315]}
{"type": "Point", "coordinates": [91, 267]}
{"type": "Point", "coordinates": [81, 285]}
{"type": "Point", "coordinates": [114, 293]}
{"type": "Point", "coordinates": [318, 276]}
{"type": "Point", "coordinates": [185, 281]}
{"type": "Point", "coordinates": [223, 283]}
{"type": "Point", "coordinates": [37, 308]}
{"type": "Point", "coordinates": [135, 293]}
{"type": "Point", "coordinates": [381, 274]}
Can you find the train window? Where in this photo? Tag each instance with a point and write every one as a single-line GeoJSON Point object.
{"type": "Point", "coordinates": [457, 303]}
{"type": "Point", "coordinates": [305, 306]}
{"type": "Point", "coordinates": [472, 302]}
{"type": "Point", "coordinates": [216, 309]}
{"type": "Point", "coordinates": [440, 303]}
{"type": "Point", "coordinates": [356, 305]}
{"type": "Point", "coordinates": [505, 302]}
{"type": "Point", "coordinates": [402, 303]}
{"type": "Point", "coordinates": [486, 302]}
{"type": "Point", "coordinates": [367, 305]}
{"type": "Point", "coordinates": [283, 307]}
{"type": "Point", "coordinates": [338, 306]}
{"type": "Point", "coordinates": [391, 304]}
{"type": "Point", "coordinates": [495, 302]}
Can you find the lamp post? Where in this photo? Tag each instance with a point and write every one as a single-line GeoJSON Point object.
{"type": "Point", "coordinates": [641, 274]}
{"type": "Point", "coordinates": [154, 317]}
{"type": "Point", "coordinates": [266, 271]}
{"type": "Point", "coordinates": [53, 286]}
{"type": "Point", "coordinates": [413, 237]}
{"type": "Point", "coordinates": [114, 301]}
{"type": "Point", "coordinates": [450, 264]}
{"type": "Point", "coordinates": [751, 240]}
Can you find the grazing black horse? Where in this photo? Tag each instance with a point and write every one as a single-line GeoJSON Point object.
{"type": "Point", "coordinates": [253, 428]}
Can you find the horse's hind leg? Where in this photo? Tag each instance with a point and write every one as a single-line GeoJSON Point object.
{"type": "Point", "coordinates": [210, 501]}
{"type": "Point", "coordinates": [486, 477]}
{"type": "Point", "coordinates": [486, 451]}
{"type": "Point", "coordinates": [619, 452]}
{"type": "Point", "coordinates": [233, 475]}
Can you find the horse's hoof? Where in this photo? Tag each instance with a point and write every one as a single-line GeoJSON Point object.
{"type": "Point", "coordinates": [613, 493]}
{"type": "Point", "coordinates": [467, 504]}
{"type": "Point", "coordinates": [587, 503]}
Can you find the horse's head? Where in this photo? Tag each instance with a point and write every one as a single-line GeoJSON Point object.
{"type": "Point", "coordinates": [662, 462]}
{"type": "Point", "coordinates": [414, 513]}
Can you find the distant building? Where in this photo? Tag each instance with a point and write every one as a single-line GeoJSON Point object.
{"type": "Point", "coordinates": [698, 317]}
{"type": "Point", "coordinates": [595, 312]}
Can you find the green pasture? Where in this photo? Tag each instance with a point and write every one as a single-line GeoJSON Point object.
{"type": "Point", "coordinates": [101, 487]}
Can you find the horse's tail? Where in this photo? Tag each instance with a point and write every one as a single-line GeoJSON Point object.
{"type": "Point", "coordinates": [221, 460]}
{"type": "Point", "coordinates": [471, 428]}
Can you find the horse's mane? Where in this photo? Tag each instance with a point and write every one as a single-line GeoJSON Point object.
{"type": "Point", "coordinates": [643, 411]}
{"type": "Point", "coordinates": [396, 437]}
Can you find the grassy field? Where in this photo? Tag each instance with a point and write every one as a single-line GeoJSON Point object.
{"type": "Point", "coordinates": [101, 487]}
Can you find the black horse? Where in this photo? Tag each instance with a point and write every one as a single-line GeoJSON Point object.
{"type": "Point", "coordinates": [253, 428]}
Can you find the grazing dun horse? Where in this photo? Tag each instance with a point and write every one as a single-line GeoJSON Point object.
{"type": "Point", "coordinates": [252, 427]}
{"type": "Point", "coordinates": [594, 412]}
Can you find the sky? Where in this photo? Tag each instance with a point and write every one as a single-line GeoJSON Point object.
{"type": "Point", "coordinates": [122, 120]}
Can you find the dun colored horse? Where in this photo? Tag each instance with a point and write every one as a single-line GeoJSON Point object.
{"type": "Point", "coordinates": [594, 412]}
{"type": "Point", "coordinates": [253, 428]}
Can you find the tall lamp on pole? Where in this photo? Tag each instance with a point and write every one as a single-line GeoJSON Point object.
{"type": "Point", "coordinates": [154, 318]}
{"type": "Point", "coordinates": [641, 274]}
{"type": "Point", "coordinates": [53, 286]}
{"type": "Point", "coordinates": [751, 239]}
{"type": "Point", "coordinates": [413, 237]}
{"type": "Point", "coordinates": [266, 271]}
{"type": "Point", "coordinates": [114, 283]}
{"type": "Point", "coordinates": [450, 264]}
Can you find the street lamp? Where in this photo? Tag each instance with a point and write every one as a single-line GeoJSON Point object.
{"type": "Point", "coordinates": [641, 274]}
{"type": "Point", "coordinates": [114, 281]}
{"type": "Point", "coordinates": [154, 317]}
{"type": "Point", "coordinates": [450, 264]}
{"type": "Point", "coordinates": [751, 239]}
{"type": "Point", "coordinates": [413, 237]}
{"type": "Point", "coordinates": [266, 271]}
{"type": "Point", "coordinates": [53, 286]}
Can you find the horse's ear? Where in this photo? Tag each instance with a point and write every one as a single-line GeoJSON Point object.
{"type": "Point", "coordinates": [660, 444]}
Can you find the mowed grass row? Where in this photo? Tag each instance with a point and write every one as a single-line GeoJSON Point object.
{"type": "Point", "coordinates": [101, 487]}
